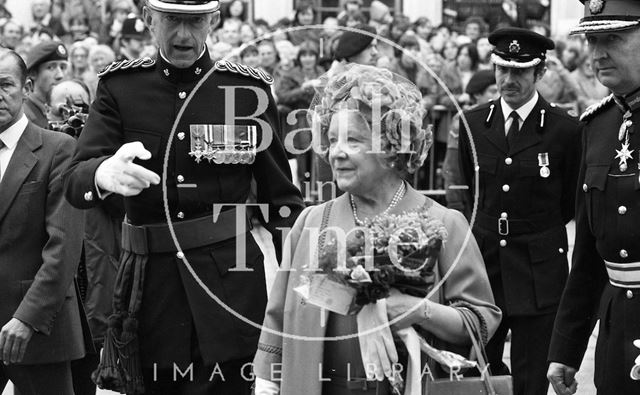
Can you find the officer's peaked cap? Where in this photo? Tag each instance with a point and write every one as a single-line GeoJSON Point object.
{"type": "Point", "coordinates": [184, 6]}
{"type": "Point", "coordinates": [519, 48]}
{"type": "Point", "coordinates": [608, 16]}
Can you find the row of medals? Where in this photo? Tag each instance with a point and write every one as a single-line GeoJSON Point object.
{"type": "Point", "coordinates": [624, 153]}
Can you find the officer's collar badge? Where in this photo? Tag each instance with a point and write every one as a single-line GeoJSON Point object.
{"type": "Point", "coordinates": [248, 71]}
{"type": "Point", "coordinates": [514, 47]}
{"type": "Point", "coordinates": [596, 6]}
{"type": "Point", "coordinates": [223, 144]}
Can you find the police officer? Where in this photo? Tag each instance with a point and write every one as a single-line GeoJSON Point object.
{"type": "Point", "coordinates": [132, 38]}
{"type": "Point", "coordinates": [605, 276]}
{"type": "Point", "coordinates": [148, 117]}
{"type": "Point", "coordinates": [528, 155]}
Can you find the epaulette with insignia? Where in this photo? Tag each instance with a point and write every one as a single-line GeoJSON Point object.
{"type": "Point", "coordinates": [144, 63]}
{"type": "Point", "coordinates": [225, 65]}
{"type": "Point", "coordinates": [593, 109]}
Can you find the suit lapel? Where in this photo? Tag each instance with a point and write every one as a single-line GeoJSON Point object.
{"type": "Point", "coordinates": [495, 131]}
{"type": "Point", "coordinates": [529, 134]}
{"type": "Point", "coordinates": [22, 162]}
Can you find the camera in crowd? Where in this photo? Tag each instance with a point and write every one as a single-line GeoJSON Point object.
{"type": "Point", "coordinates": [73, 115]}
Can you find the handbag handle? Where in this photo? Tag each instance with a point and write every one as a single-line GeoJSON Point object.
{"type": "Point", "coordinates": [481, 355]}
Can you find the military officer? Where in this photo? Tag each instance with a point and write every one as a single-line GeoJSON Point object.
{"type": "Point", "coordinates": [528, 154]}
{"type": "Point", "coordinates": [211, 142]}
{"type": "Point", "coordinates": [604, 281]}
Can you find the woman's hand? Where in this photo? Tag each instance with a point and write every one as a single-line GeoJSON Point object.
{"type": "Point", "coordinates": [399, 303]}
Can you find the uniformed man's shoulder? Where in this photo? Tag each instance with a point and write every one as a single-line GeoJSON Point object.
{"type": "Point", "coordinates": [597, 108]}
{"type": "Point", "coordinates": [480, 108]}
{"type": "Point", "coordinates": [554, 110]}
{"type": "Point", "coordinates": [240, 69]}
{"type": "Point", "coordinates": [127, 66]}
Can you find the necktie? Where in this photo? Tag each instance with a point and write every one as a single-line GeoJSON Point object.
{"type": "Point", "coordinates": [513, 129]}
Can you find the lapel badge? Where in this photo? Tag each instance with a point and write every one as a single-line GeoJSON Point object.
{"type": "Point", "coordinates": [166, 72]}
{"type": "Point", "coordinates": [223, 144]}
{"type": "Point", "coordinates": [543, 162]}
{"type": "Point", "coordinates": [596, 6]}
{"type": "Point", "coordinates": [198, 70]}
{"type": "Point", "coordinates": [514, 47]}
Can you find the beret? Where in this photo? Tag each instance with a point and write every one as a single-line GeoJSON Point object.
{"type": "Point", "coordinates": [480, 81]}
{"type": "Point", "coordinates": [519, 48]}
{"type": "Point", "coordinates": [352, 43]}
{"type": "Point", "coordinates": [44, 52]}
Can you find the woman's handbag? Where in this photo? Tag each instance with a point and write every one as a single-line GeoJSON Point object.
{"type": "Point", "coordinates": [486, 384]}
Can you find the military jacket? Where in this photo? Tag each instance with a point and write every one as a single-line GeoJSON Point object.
{"type": "Point", "coordinates": [607, 218]}
{"type": "Point", "coordinates": [525, 198]}
{"type": "Point", "coordinates": [174, 113]}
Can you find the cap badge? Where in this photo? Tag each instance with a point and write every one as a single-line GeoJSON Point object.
{"type": "Point", "coordinates": [596, 6]}
{"type": "Point", "coordinates": [139, 26]}
{"type": "Point", "coordinates": [514, 47]}
{"type": "Point", "coordinates": [61, 50]}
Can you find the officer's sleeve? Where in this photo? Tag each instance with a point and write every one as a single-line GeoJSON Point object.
{"type": "Point", "coordinates": [466, 164]}
{"type": "Point", "coordinates": [100, 139]}
{"type": "Point", "coordinates": [273, 179]}
{"type": "Point", "coordinates": [577, 312]}
{"type": "Point", "coordinates": [570, 177]}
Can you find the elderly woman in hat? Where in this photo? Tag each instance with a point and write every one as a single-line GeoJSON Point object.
{"type": "Point", "coordinates": [305, 350]}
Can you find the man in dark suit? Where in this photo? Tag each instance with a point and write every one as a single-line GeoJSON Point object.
{"type": "Point", "coordinates": [528, 155]}
{"type": "Point", "coordinates": [39, 248]}
{"type": "Point", "coordinates": [140, 115]}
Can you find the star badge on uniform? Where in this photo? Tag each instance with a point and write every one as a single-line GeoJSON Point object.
{"type": "Point", "coordinates": [624, 154]}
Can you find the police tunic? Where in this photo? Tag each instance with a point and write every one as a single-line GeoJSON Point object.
{"type": "Point", "coordinates": [158, 104]}
{"type": "Point", "coordinates": [522, 210]}
{"type": "Point", "coordinates": [607, 237]}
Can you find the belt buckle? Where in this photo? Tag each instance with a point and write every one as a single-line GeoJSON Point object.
{"type": "Point", "coordinates": [503, 226]}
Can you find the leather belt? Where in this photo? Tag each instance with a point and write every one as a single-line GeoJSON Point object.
{"type": "Point", "coordinates": [193, 233]}
{"type": "Point", "coordinates": [507, 226]}
{"type": "Point", "coordinates": [624, 275]}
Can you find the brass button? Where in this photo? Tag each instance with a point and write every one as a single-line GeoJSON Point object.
{"type": "Point", "coordinates": [561, 250]}
{"type": "Point", "coordinates": [508, 161]}
{"type": "Point", "coordinates": [88, 196]}
{"type": "Point", "coordinates": [585, 187]}
{"type": "Point", "coordinates": [180, 215]}
{"type": "Point", "coordinates": [624, 254]}
{"type": "Point", "coordinates": [180, 255]}
{"type": "Point", "coordinates": [181, 136]}
{"type": "Point", "coordinates": [622, 210]}
{"type": "Point", "coordinates": [180, 178]}
{"type": "Point", "coordinates": [503, 243]}
{"type": "Point", "coordinates": [503, 215]}
{"type": "Point", "coordinates": [506, 187]}
{"type": "Point", "coordinates": [629, 294]}
{"type": "Point", "coordinates": [182, 95]}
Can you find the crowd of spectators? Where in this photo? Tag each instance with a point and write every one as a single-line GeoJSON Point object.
{"type": "Point", "coordinates": [97, 32]}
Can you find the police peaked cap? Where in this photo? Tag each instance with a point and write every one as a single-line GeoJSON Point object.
{"type": "Point", "coordinates": [608, 16]}
{"type": "Point", "coordinates": [46, 51]}
{"type": "Point", "coordinates": [184, 6]}
{"type": "Point", "coordinates": [133, 27]}
{"type": "Point", "coordinates": [352, 43]}
{"type": "Point", "coordinates": [519, 48]}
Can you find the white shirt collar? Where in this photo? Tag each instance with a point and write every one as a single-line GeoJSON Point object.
{"type": "Point", "coordinates": [523, 111]}
{"type": "Point", "coordinates": [13, 133]}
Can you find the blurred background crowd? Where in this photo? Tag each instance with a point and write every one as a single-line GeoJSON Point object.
{"type": "Point", "coordinates": [98, 32]}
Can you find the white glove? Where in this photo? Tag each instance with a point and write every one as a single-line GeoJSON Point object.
{"type": "Point", "coordinates": [376, 348]}
{"type": "Point", "coordinates": [266, 387]}
{"type": "Point", "coordinates": [120, 175]}
{"type": "Point", "coordinates": [562, 378]}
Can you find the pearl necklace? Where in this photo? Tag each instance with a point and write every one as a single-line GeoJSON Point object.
{"type": "Point", "coordinates": [394, 202]}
